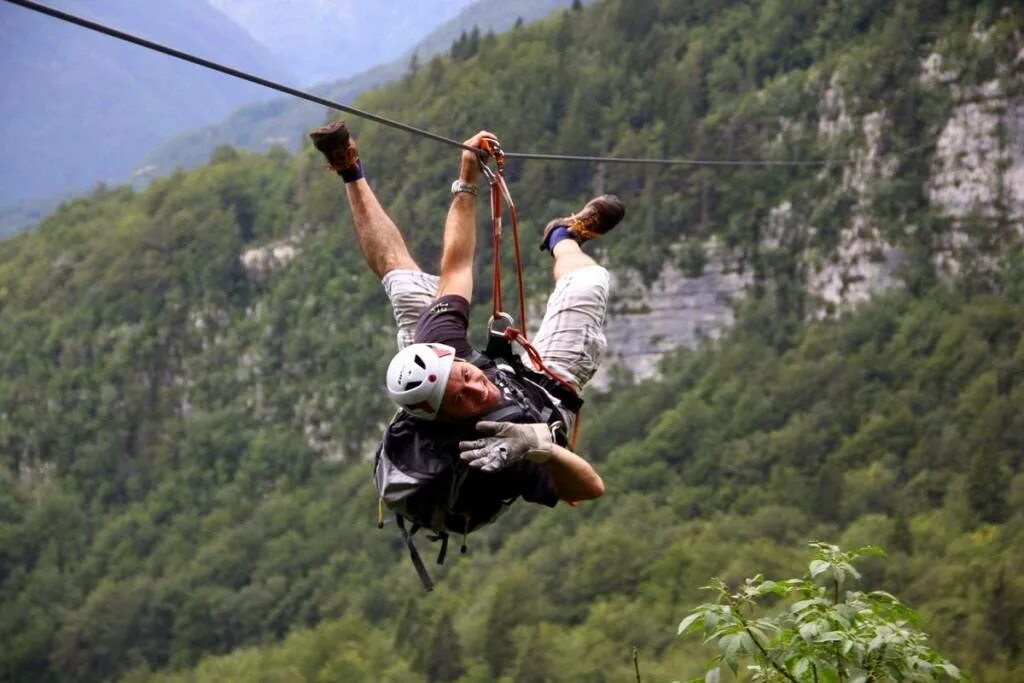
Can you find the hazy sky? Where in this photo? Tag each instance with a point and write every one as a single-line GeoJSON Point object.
{"type": "Point", "coordinates": [323, 40]}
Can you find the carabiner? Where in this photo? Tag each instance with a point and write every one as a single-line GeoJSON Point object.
{"type": "Point", "coordinates": [486, 171]}
{"type": "Point", "coordinates": [501, 315]}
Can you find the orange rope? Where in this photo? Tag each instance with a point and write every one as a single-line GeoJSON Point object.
{"type": "Point", "coordinates": [499, 191]}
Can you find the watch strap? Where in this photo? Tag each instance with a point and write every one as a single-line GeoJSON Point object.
{"type": "Point", "coordinates": [462, 186]}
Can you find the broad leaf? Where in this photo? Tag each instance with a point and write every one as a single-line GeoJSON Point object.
{"type": "Point", "coordinates": [688, 622]}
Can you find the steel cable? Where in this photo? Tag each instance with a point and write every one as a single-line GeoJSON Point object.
{"type": "Point", "coordinates": [383, 120]}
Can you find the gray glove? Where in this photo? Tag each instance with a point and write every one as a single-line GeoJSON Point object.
{"type": "Point", "coordinates": [507, 443]}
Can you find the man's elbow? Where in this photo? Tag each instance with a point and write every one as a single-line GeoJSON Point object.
{"type": "Point", "coordinates": [592, 488]}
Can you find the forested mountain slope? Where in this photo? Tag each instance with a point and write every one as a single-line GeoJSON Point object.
{"type": "Point", "coordinates": [189, 375]}
{"type": "Point", "coordinates": [256, 126]}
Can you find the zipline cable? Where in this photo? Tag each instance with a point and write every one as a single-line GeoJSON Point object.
{"type": "Point", "coordinates": [675, 162]}
{"type": "Point", "coordinates": [383, 120]}
{"type": "Point", "coordinates": [178, 54]}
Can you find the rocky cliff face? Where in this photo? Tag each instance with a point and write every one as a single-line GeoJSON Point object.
{"type": "Point", "coordinates": [644, 322]}
{"type": "Point", "coordinates": [976, 183]}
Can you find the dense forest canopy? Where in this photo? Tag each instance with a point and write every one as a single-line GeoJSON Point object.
{"type": "Point", "coordinates": [185, 414]}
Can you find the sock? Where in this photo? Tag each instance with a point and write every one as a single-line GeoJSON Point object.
{"type": "Point", "coordinates": [352, 174]}
{"type": "Point", "coordinates": [557, 235]}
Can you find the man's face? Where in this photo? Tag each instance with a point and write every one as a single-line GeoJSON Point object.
{"type": "Point", "coordinates": [468, 393]}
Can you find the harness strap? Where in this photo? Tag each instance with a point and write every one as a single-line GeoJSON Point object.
{"type": "Point", "coordinates": [499, 346]}
{"type": "Point", "coordinates": [500, 414]}
{"type": "Point", "coordinates": [414, 554]}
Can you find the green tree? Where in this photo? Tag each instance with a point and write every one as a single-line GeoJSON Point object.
{"type": "Point", "coordinates": [514, 604]}
{"type": "Point", "coordinates": [443, 657]}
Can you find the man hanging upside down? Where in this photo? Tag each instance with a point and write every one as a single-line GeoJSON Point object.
{"type": "Point", "coordinates": [474, 432]}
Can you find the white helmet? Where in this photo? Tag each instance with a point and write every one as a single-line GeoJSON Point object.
{"type": "Point", "coordinates": [417, 377]}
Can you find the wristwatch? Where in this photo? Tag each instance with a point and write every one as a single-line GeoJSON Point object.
{"type": "Point", "coordinates": [462, 186]}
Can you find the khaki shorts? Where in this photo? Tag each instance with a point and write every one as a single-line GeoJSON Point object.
{"type": "Point", "coordinates": [571, 337]}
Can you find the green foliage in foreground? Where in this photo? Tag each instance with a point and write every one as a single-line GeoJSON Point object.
{"type": "Point", "coordinates": [830, 633]}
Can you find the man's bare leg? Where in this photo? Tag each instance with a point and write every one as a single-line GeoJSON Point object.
{"type": "Point", "coordinates": [380, 240]}
{"type": "Point", "coordinates": [569, 257]}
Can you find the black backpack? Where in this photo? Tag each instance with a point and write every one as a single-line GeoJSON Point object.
{"type": "Point", "coordinates": [418, 472]}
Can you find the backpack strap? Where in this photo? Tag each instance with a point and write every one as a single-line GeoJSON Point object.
{"type": "Point", "coordinates": [443, 552]}
{"type": "Point", "coordinates": [414, 555]}
{"type": "Point", "coordinates": [570, 400]}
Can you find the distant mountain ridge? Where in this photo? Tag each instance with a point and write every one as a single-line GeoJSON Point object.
{"type": "Point", "coordinates": [285, 121]}
{"type": "Point", "coordinates": [80, 108]}
{"type": "Point", "coordinates": [256, 126]}
{"type": "Point", "coordinates": [326, 41]}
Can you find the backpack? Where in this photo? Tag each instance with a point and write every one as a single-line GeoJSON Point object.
{"type": "Point", "coordinates": [418, 472]}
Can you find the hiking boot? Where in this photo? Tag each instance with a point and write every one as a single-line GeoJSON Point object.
{"type": "Point", "coordinates": [600, 215]}
{"type": "Point", "coordinates": [337, 146]}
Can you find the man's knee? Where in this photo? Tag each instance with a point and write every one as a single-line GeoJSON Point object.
{"type": "Point", "coordinates": [587, 286]}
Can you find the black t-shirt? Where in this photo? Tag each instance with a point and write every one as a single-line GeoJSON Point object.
{"type": "Point", "coordinates": [446, 321]}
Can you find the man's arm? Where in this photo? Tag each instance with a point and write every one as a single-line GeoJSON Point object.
{"type": "Point", "coordinates": [460, 229]}
{"type": "Point", "coordinates": [505, 443]}
{"type": "Point", "coordinates": [572, 477]}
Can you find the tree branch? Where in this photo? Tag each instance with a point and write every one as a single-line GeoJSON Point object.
{"type": "Point", "coordinates": [775, 665]}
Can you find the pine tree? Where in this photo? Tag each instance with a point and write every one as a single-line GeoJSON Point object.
{"type": "Point", "coordinates": [534, 663]}
{"type": "Point", "coordinates": [514, 604]}
{"type": "Point", "coordinates": [986, 488]}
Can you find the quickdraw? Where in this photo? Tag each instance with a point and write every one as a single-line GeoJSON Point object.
{"type": "Point", "coordinates": [499, 192]}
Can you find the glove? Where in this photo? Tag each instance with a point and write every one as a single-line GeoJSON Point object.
{"type": "Point", "coordinates": [507, 443]}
